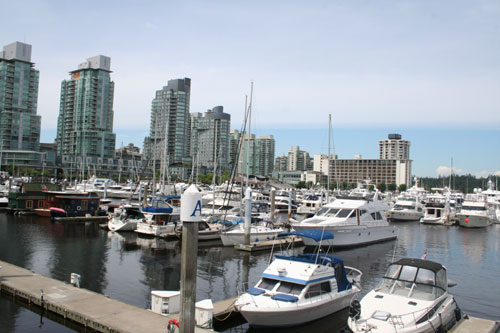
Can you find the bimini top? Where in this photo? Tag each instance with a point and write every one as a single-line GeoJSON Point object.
{"type": "Point", "coordinates": [317, 235]}
{"type": "Point", "coordinates": [427, 264]}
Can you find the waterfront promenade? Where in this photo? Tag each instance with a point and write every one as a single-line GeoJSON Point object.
{"type": "Point", "coordinates": [85, 307]}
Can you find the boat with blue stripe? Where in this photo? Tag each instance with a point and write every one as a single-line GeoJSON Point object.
{"type": "Point", "coordinates": [297, 289]}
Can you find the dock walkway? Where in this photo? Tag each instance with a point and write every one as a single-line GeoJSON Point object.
{"type": "Point", "coordinates": [85, 307]}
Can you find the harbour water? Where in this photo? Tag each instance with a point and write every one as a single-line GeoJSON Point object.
{"type": "Point", "coordinates": [127, 267]}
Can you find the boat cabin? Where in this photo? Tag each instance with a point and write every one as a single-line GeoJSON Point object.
{"type": "Point", "coordinates": [414, 278]}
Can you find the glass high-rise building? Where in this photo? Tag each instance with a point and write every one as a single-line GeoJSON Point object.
{"type": "Point", "coordinates": [170, 130]}
{"type": "Point", "coordinates": [210, 138]}
{"type": "Point", "coordinates": [19, 123]}
{"type": "Point", "coordinates": [85, 122]}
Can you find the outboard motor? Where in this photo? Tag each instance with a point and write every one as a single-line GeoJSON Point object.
{"type": "Point", "coordinates": [355, 310]}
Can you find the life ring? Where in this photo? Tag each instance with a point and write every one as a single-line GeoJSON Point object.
{"type": "Point", "coordinates": [78, 208]}
{"type": "Point", "coordinates": [171, 325]}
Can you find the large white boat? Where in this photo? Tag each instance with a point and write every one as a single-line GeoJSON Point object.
{"type": "Point", "coordinates": [476, 212]}
{"type": "Point", "coordinates": [353, 220]}
{"type": "Point", "coordinates": [437, 210]}
{"type": "Point", "coordinates": [125, 218]}
{"type": "Point", "coordinates": [258, 232]}
{"type": "Point", "coordinates": [412, 297]}
{"type": "Point", "coordinates": [295, 290]}
{"type": "Point", "coordinates": [406, 208]}
{"type": "Point", "coordinates": [310, 205]}
{"type": "Point", "coordinates": [161, 217]}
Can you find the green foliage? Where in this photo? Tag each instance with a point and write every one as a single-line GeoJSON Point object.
{"type": "Point", "coordinates": [301, 184]}
{"type": "Point", "coordinates": [463, 183]}
{"type": "Point", "coordinates": [382, 187]}
{"type": "Point", "coordinates": [402, 187]}
{"type": "Point", "coordinates": [391, 187]}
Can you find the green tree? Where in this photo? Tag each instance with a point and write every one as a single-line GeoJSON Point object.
{"type": "Point", "coordinates": [301, 184]}
{"type": "Point", "coordinates": [382, 187]}
{"type": "Point", "coordinates": [391, 187]}
{"type": "Point", "coordinates": [402, 187]}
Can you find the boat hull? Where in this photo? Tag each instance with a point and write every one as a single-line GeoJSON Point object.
{"type": "Point", "coordinates": [286, 315]}
{"type": "Point", "coordinates": [230, 239]}
{"type": "Point", "coordinates": [152, 230]}
{"type": "Point", "coordinates": [352, 235]}
{"type": "Point", "coordinates": [118, 225]}
{"type": "Point", "coordinates": [473, 221]}
{"type": "Point", "coordinates": [403, 216]}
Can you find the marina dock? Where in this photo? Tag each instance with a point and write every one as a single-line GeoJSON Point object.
{"type": "Point", "coordinates": [473, 324]}
{"type": "Point", "coordinates": [82, 306]}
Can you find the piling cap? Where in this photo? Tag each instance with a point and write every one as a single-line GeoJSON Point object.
{"type": "Point", "coordinates": [191, 205]}
{"type": "Point", "coordinates": [248, 193]}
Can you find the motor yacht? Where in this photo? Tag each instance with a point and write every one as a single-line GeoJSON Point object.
{"type": "Point", "coordinates": [161, 216]}
{"type": "Point", "coordinates": [294, 290]}
{"type": "Point", "coordinates": [258, 232]}
{"type": "Point", "coordinates": [406, 208]}
{"type": "Point", "coordinates": [125, 218]}
{"type": "Point", "coordinates": [437, 210]}
{"type": "Point", "coordinates": [354, 220]}
{"type": "Point", "coordinates": [476, 212]}
{"type": "Point", "coordinates": [412, 297]}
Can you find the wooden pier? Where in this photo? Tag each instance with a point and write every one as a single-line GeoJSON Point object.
{"type": "Point", "coordinates": [82, 306]}
{"type": "Point", "coordinates": [472, 324]}
{"type": "Point", "coordinates": [269, 244]}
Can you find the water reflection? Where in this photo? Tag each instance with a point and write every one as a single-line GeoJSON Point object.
{"type": "Point", "coordinates": [127, 267]}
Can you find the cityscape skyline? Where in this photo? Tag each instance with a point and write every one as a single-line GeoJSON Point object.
{"type": "Point", "coordinates": [397, 67]}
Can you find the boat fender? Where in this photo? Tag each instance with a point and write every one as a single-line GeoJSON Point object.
{"type": "Point", "coordinates": [458, 314]}
{"type": "Point", "coordinates": [78, 208]}
{"type": "Point", "coordinates": [171, 325]}
{"type": "Point", "coordinates": [355, 310]}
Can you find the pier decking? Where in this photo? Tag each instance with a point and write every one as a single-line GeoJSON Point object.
{"type": "Point", "coordinates": [85, 307]}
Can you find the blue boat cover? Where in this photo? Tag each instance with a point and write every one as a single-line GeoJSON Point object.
{"type": "Point", "coordinates": [285, 298]}
{"type": "Point", "coordinates": [317, 235]}
{"type": "Point", "coordinates": [228, 223]}
{"type": "Point", "coordinates": [255, 291]}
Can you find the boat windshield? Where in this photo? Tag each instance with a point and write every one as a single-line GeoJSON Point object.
{"type": "Point", "coordinates": [267, 284]}
{"type": "Point", "coordinates": [344, 213]}
{"type": "Point", "coordinates": [476, 208]}
{"type": "Point", "coordinates": [290, 288]}
{"type": "Point", "coordinates": [403, 207]}
{"type": "Point", "coordinates": [328, 212]}
{"type": "Point", "coordinates": [412, 281]}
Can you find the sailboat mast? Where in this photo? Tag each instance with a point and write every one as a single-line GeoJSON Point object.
{"type": "Point", "coordinates": [249, 131]}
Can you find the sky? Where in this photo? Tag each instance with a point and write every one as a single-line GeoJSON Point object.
{"type": "Point", "coordinates": [429, 70]}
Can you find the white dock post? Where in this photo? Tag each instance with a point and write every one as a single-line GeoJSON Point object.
{"type": "Point", "coordinates": [248, 215]}
{"type": "Point", "coordinates": [273, 206]}
{"type": "Point", "coordinates": [190, 215]}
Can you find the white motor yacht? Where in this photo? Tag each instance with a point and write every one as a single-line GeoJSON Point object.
{"type": "Point", "coordinates": [161, 217]}
{"type": "Point", "coordinates": [353, 220]}
{"type": "Point", "coordinates": [125, 218]}
{"type": "Point", "coordinates": [412, 297]}
{"type": "Point", "coordinates": [436, 210]}
{"type": "Point", "coordinates": [476, 212]}
{"type": "Point", "coordinates": [406, 208]}
{"type": "Point", "coordinates": [295, 290]}
{"type": "Point", "coordinates": [258, 232]}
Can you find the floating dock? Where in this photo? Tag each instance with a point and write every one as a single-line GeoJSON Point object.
{"type": "Point", "coordinates": [82, 306]}
{"type": "Point", "coordinates": [269, 245]}
{"type": "Point", "coordinates": [472, 324]}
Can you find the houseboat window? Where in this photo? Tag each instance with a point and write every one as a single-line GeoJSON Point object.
{"type": "Point", "coordinates": [344, 213]}
{"type": "Point", "coordinates": [268, 284]}
{"type": "Point", "coordinates": [40, 204]}
{"type": "Point", "coordinates": [290, 288]}
{"type": "Point", "coordinates": [408, 273]}
{"type": "Point", "coordinates": [318, 289]}
{"type": "Point", "coordinates": [29, 203]}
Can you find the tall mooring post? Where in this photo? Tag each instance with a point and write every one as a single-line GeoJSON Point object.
{"type": "Point", "coordinates": [273, 207]}
{"type": "Point", "coordinates": [248, 215]}
{"type": "Point", "coordinates": [190, 216]}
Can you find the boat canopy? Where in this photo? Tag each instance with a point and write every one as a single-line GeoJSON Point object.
{"type": "Point", "coordinates": [317, 235]}
{"type": "Point", "coordinates": [427, 264]}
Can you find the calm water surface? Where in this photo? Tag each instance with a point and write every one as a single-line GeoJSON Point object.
{"type": "Point", "coordinates": [127, 267]}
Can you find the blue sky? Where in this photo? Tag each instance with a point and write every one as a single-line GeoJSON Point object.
{"type": "Point", "coordinates": [429, 70]}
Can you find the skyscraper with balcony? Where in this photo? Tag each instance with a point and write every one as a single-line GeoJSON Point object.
{"type": "Point", "coordinates": [85, 122]}
{"type": "Point", "coordinates": [19, 123]}
{"type": "Point", "coordinates": [170, 128]}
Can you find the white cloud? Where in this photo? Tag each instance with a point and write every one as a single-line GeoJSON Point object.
{"type": "Point", "coordinates": [482, 173]}
{"type": "Point", "coordinates": [497, 173]}
{"type": "Point", "coordinates": [446, 170]}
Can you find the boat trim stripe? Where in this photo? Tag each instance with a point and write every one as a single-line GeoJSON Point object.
{"type": "Point", "coordinates": [298, 281]}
